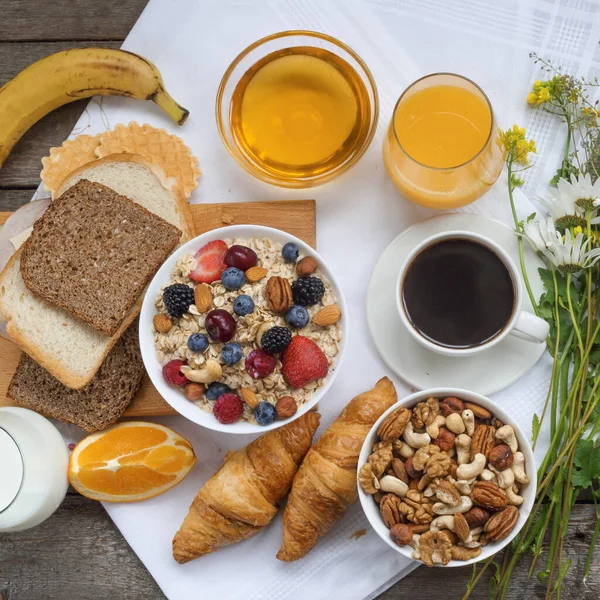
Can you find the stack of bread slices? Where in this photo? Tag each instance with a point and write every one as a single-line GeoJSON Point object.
{"type": "Point", "coordinates": [72, 292]}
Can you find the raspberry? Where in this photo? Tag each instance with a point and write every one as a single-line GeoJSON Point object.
{"type": "Point", "coordinates": [259, 364]}
{"type": "Point", "coordinates": [228, 409]}
{"type": "Point", "coordinates": [172, 373]}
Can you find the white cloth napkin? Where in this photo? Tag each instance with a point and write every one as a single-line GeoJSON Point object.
{"type": "Point", "coordinates": [358, 215]}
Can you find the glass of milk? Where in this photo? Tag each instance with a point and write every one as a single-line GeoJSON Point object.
{"type": "Point", "coordinates": [34, 461]}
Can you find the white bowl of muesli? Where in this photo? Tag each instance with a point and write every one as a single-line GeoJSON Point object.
{"type": "Point", "coordinates": [447, 477]}
{"type": "Point", "coordinates": [243, 329]}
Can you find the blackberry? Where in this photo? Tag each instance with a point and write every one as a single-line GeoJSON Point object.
{"type": "Point", "coordinates": [308, 291]}
{"type": "Point", "coordinates": [276, 340]}
{"type": "Point", "coordinates": [177, 299]}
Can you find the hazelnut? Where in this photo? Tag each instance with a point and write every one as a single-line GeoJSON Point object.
{"type": "Point", "coordinates": [307, 266]}
{"type": "Point", "coordinates": [477, 517]}
{"type": "Point", "coordinates": [401, 534]}
{"type": "Point", "coordinates": [410, 468]}
{"type": "Point", "coordinates": [501, 457]}
{"type": "Point", "coordinates": [194, 391]}
{"type": "Point", "coordinates": [286, 407]}
{"type": "Point", "coordinates": [445, 439]}
{"type": "Point", "coordinates": [451, 405]}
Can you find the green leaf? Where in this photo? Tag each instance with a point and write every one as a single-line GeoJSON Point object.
{"type": "Point", "coordinates": [536, 425]}
{"type": "Point", "coordinates": [547, 280]}
{"type": "Point", "coordinates": [586, 464]}
{"type": "Point", "coordinates": [542, 576]}
{"type": "Point", "coordinates": [531, 217]}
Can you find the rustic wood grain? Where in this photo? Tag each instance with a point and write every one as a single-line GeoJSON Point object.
{"type": "Point", "coordinates": [79, 554]}
{"type": "Point", "coordinates": [294, 216]}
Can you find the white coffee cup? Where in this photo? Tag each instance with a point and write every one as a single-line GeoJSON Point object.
{"type": "Point", "coordinates": [521, 324]}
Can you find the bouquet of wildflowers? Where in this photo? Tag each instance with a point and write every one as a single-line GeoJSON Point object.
{"type": "Point", "coordinates": [568, 240]}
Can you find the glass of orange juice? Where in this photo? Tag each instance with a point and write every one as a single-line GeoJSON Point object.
{"type": "Point", "coordinates": [441, 149]}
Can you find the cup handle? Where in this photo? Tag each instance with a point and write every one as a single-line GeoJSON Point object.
{"type": "Point", "coordinates": [530, 328]}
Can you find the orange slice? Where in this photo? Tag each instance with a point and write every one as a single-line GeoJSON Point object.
{"type": "Point", "coordinates": [129, 462]}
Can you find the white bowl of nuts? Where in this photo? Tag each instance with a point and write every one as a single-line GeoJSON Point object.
{"type": "Point", "coordinates": [446, 477]}
{"type": "Point", "coordinates": [243, 328]}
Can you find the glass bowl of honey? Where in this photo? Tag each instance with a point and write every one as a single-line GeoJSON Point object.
{"type": "Point", "coordinates": [297, 108]}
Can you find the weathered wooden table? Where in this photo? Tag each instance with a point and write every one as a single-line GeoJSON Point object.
{"type": "Point", "coordinates": [78, 554]}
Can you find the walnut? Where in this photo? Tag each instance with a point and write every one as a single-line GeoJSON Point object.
{"type": "Point", "coordinates": [435, 548]}
{"type": "Point", "coordinates": [392, 427]}
{"type": "Point", "coordinates": [501, 524]}
{"type": "Point", "coordinates": [451, 405]}
{"type": "Point", "coordinates": [461, 527]}
{"type": "Point", "coordinates": [389, 507]}
{"type": "Point", "coordinates": [489, 495]}
{"type": "Point", "coordinates": [446, 493]}
{"type": "Point", "coordinates": [401, 534]}
{"type": "Point", "coordinates": [484, 439]}
{"type": "Point", "coordinates": [424, 413]}
{"type": "Point", "coordinates": [381, 459]}
{"type": "Point", "coordinates": [399, 470]}
{"type": "Point", "coordinates": [422, 455]}
{"type": "Point", "coordinates": [452, 469]}
{"type": "Point", "coordinates": [367, 479]}
{"type": "Point", "coordinates": [501, 457]}
{"type": "Point", "coordinates": [415, 511]}
{"type": "Point", "coordinates": [438, 465]}
{"type": "Point", "coordinates": [462, 553]}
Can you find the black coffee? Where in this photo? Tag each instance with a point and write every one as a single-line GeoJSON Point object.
{"type": "Point", "coordinates": [458, 293]}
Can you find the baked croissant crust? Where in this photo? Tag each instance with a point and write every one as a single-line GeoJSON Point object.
{"type": "Point", "coordinates": [243, 495]}
{"type": "Point", "coordinates": [325, 485]}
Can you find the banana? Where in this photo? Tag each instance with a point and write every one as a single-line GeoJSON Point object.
{"type": "Point", "coordinates": [74, 74]}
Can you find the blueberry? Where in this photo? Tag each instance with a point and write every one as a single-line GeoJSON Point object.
{"type": "Point", "coordinates": [290, 252]}
{"type": "Point", "coordinates": [297, 317]}
{"type": "Point", "coordinates": [233, 279]}
{"type": "Point", "coordinates": [231, 353]}
{"type": "Point", "coordinates": [215, 390]}
{"type": "Point", "coordinates": [243, 305]}
{"type": "Point", "coordinates": [198, 342]}
{"type": "Point", "coordinates": [264, 413]}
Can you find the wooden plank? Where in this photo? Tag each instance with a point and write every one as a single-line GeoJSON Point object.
{"type": "Point", "coordinates": [10, 200]}
{"type": "Point", "coordinates": [24, 20]}
{"type": "Point", "coordinates": [294, 216]}
{"type": "Point", "coordinates": [79, 553]}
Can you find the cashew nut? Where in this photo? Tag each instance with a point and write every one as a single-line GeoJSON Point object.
{"type": "Point", "coordinates": [464, 485]}
{"type": "Point", "coordinates": [424, 482]}
{"type": "Point", "coordinates": [434, 429]}
{"type": "Point", "coordinates": [468, 418]}
{"type": "Point", "coordinates": [470, 542]}
{"type": "Point", "coordinates": [211, 371]}
{"type": "Point", "coordinates": [414, 544]}
{"type": "Point", "coordinates": [505, 478]}
{"type": "Point", "coordinates": [392, 484]}
{"type": "Point", "coordinates": [463, 448]}
{"type": "Point", "coordinates": [455, 423]}
{"type": "Point", "coordinates": [439, 508]}
{"type": "Point", "coordinates": [513, 496]}
{"type": "Point", "coordinates": [475, 533]}
{"type": "Point", "coordinates": [472, 469]}
{"type": "Point", "coordinates": [443, 522]}
{"type": "Point", "coordinates": [406, 451]}
{"type": "Point", "coordinates": [487, 475]}
{"type": "Point", "coordinates": [429, 492]}
{"type": "Point", "coordinates": [413, 439]}
{"type": "Point", "coordinates": [507, 435]}
{"type": "Point", "coordinates": [518, 467]}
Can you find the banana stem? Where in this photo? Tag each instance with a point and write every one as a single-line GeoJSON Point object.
{"type": "Point", "coordinates": [162, 99]}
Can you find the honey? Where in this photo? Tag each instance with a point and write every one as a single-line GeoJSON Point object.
{"type": "Point", "coordinates": [300, 112]}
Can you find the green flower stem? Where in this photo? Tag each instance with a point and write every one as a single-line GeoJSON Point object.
{"type": "Point", "coordinates": [590, 554]}
{"type": "Point", "coordinates": [572, 313]}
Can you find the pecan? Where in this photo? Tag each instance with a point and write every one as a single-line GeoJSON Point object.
{"type": "Point", "coordinates": [367, 479]}
{"type": "Point", "coordinates": [463, 553]}
{"type": "Point", "coordinates": [446, 493]}
{"type": "Point", "coordinates": [392, 427]}
{"type": "Point", "coordinates": [501, 457]}
{"type": "Point", "coordinates": [279, 294]}
{"type": "Point", "coordinates": [389, 507]}
{"type": "Point", "coordinates": [483, 440]}
{"type": "Point", "coordinates": [381, 459]}
{"type": "Point", "coordinates": [461, 527]}
{"type": "Point", "coordinates": [489, 495]}
{"type": "Point", "coordinates": [445, 439]}
{"type": "Point", "coordinates": [479, 411]}
{"type": "Point", "coordinates": [424, 413]}
{"type": "Point", "coordinates": [451, 405]}
{"type": "Point", "coordinates": [501, 524]}
{"type": "Point", "coordinates": [435, 548]}
{"type": "Point", "coordinates": [477, 517]}
{"type": "Point", "coordinates": [401, 534]}
{"type": "Point", "coordinates": [399, 470]}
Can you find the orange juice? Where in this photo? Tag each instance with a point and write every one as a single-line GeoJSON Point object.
{"type": "Point", "coordinates": [440, 148]}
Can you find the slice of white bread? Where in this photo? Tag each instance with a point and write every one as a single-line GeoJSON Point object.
{"type": "Point", "coordinates": [61, 343]}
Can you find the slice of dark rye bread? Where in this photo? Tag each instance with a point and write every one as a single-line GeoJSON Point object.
{"type": "Point", "coordinates": [93, 252]}
{"type": "Point", "coordinates": [97, 405]}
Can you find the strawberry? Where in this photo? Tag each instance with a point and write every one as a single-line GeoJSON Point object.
{"type": "Point", "coordinates": [303, 361]}
{"type": "Point", "coordinates": [210, 261]}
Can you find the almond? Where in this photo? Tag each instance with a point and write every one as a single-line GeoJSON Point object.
{"type": "Point", "coordinates": [249, 397]}
{"type": "Point", "coordinates": [254, 274]}
{"type": "Point", "coordinates": [279, 294]}
{"type": "Point", "coordinates": [307, 266]}
{"type": "Point", "coordinates": [329, 315]}
{"type": "Point", "coordinates": [286, 407]}
{"type": "Point", "coordinates": [162, 323]}
{"type": "Point", "coordinates": [203, 297]}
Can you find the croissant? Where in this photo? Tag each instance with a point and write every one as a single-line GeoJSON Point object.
{"type": "Point", "coordinates": [242, 496]}
{"type": "Point", "coordinates": [325, 485]}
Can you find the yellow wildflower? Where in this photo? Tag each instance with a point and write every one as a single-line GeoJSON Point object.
{"type": "Point", "coordinates": [537, 85]}
{"type": "Point", "coordinates": [543, 95]}
{"type": "Point", "coordinates": [516, 145]}
{"type": "Point", "coordinates": [532, 98]}
{"type": "Point", "coordinates": [577, 230]}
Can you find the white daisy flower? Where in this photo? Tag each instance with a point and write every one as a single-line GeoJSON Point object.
{"type": "Point", "coordinates": [563, 209]}
{"type": "Point", "coordinates": [572, 254]}
{"type": "Point", "coordinates": [541, 235]}
{"type": "Point", "coordinates": [582, 192]}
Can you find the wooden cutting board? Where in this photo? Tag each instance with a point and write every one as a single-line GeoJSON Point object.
{"type": "Point", "coordinates": [294, 216]}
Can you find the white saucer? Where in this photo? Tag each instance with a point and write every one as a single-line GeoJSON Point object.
{"type": "Point", "coordinates": [484, 373]}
